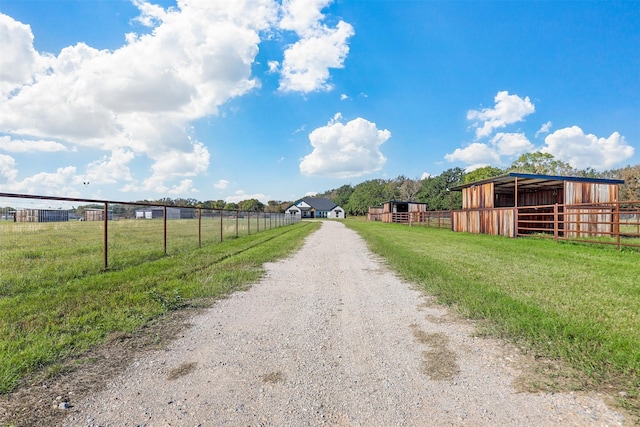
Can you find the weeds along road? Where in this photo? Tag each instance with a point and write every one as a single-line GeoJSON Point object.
{"type": "Point", "coordinates": [331, 337]}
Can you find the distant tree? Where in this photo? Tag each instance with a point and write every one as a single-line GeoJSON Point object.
{"type": "Point", "coordinates": [435, 190]}
{"type": "Point", "coordinates": [251, 205]}
{"type": "Point", "coordinates": [342, 195]}
{"type": "Point", "coordinates": [231, 206]}
{"type": "Point", "coordinates": [540, 163]}
{"type": "Point", "coordinates": [482, 173]}
{"type": "Point", "coordinates": [274, 206]}
{"type": "Point", "coordinates": [408, 188]}
{"type": "Point", "coordinates": [369, 193]}
{"type": "Point", "coordinates": [630, 190]}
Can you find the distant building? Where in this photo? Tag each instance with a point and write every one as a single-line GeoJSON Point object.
{"type": "Point", "coordinates": [172, 213]}
{"type": "Point", "coordinates": [97, 215]}
{"type": "Point", "coordinates": [315, 207]}
{"type": "Point", "coordinates": [42, 215]}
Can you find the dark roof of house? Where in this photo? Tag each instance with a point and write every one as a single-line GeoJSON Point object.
{"type": "Point", "coordinates": [528, 180]}
{"type": "Point", "coordinates": [319, 203]}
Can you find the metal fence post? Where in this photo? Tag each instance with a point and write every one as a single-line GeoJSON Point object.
{"type": "Point", "coordinates": [164, 220]}
{"type": "Point", "coordinates": [199, 227]}
{"type": "Point", "coordinates": [105, 215]}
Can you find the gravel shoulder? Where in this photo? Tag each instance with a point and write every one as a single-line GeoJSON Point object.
{"type": "Point", "coordinates": [330, 337]}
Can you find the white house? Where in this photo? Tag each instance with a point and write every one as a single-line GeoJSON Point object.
{"type": "Point", "coordinates": [315, 207]}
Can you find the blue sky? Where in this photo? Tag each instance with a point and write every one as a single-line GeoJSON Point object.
{"type": "Point", "coordinates": [276, 100]}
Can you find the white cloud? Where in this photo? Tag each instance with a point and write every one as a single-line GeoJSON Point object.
{"type": "Point", "coordinates": [510, 144]}
{"type": "Point", "coordinates": [29, 146]}
{"type": "Point", "coordinates": [62, 181]}
{"type": "Point", "coordinates": [306, 63]}
{"type": "Point", "coordinates": [221, 184]}
{"type": "Point", "coordinates": [344, 97]}
{"type": "Point", "coordinates": [582, 150]}
{"type": "Point", "coordinates": [425, 175]}
{"type": "Point", "coordinates": [508, 109]}
{"type": "Point", "coordinates": [109, 170]}
{"type": "Point", "coordinates": [8, 171]}
{"type": "Point", "coordinates": [345, 150]}
{"type": "Point", "coordinates": [474, 153]}
{"type": "Point", "coordinates": [240, 196]}
{"type": "Point", "coordinates": [141, 97]}
{"type": "Point", "coordinates": [19, 59]}
{"type": "Point", "coordinates": [184, 187]}
{"type": "Point", "coordinates": [310, 193]}
{"type": "Point", "coordinates": [544, 128]}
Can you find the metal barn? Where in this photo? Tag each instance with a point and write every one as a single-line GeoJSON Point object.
{"type": "Point", "coordinates": [42, 215]}
{"type": "Point", "coordinates": [520, 203]}
{"type": "Point", "coordinates": [97, 215]}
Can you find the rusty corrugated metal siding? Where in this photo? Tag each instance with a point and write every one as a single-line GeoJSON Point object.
{"type": "Point", "coordinates": [499, 222]}
{"type": "Point", "coordinates": [479, 196]}
{"type": "Point", "coordinates": [586, 192]}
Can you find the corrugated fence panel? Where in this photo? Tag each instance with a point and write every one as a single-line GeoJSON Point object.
{"type": "Point", "coordinates": [586, 192]}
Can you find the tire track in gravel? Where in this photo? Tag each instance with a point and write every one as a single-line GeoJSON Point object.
{"type": "Point", "coordinates": [330, 337]}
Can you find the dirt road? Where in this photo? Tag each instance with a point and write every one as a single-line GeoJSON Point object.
{"type": "Point", "coordinates": [331, 337]}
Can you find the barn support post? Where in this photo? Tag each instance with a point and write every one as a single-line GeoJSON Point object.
{"type": "Point", "coordinates": [237, 217]}
{"type": "Point", "coordinates": [221, 227]}
{"type": "Point", "coordinates": [616, 223]}
{"type": "Point", "coordinates": [164, 226]}
{"type": "Point", "coordinates": [199, 227]}
{"type": "Point", "coordinates": [105, 217]}
{"type": "Point", "coordinates": [515, 210]}
{"type": "Point", "coordinates": [555, 222]}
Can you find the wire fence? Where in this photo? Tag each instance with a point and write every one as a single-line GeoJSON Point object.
{"type": "Point", "coordinates": [47, 239]}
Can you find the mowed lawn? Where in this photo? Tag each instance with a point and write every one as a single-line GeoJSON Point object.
{"type": "Point", "coordinates": [575, 302]}
{"type": "Point", "coordinates": [55, 301]}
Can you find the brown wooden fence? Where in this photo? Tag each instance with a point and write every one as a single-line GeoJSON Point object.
{"type": "Point", "coordinates": [616, 223]}
{"type": "Point", "coordinates": [436, 219]}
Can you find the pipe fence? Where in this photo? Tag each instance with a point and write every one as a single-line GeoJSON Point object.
{"type": "Point", "coordinates": [51, 239]}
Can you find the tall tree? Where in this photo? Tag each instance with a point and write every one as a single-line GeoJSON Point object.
{"type": "Point", "coordinates": [435, 190]}
{"type": "Point", "coordinates": [482, 173]}
{"type": "Point", "coordinates": [541, 163]}
{"type": "Point", "coordinates": [369, 193]}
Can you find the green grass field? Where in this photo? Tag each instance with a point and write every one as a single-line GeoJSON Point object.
{"type": "Point", "coordinates": [55, 301]}
{"type": "Point", "coordinates": [570, 301]}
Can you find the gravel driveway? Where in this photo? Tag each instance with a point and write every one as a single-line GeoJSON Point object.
{"type": "Point", "coordinates": [331, 337]}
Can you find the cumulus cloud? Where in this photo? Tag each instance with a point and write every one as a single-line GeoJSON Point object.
{"type": "Point", "coordinates": [221, 184]}
{"type": "Point", "coordinates": [508, 109]}
{"type": "Point", "coordinates": [345, 150]}
{"type": "Point", "coordinates": [8, 171]}
{"type": "Point", "coordinates": [474, 153]}
{"type": "Point", "coordinates": [29, 146]}
{"type": "Point", "coordinates": [582, 150]}
{"type": "Point", "coordinates": [306, 63]}
{"type": "Point", "coordinates": [62, 181]}
{"type": "Point", "coordinates": [510, 144]}
{"type": "Point", "coordinates": [109, 170]}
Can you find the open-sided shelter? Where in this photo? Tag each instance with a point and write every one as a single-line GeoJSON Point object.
{"type": "Point", "coordinates": [397, 211]}
{"type": "Point", "coordinates": [510, 204]}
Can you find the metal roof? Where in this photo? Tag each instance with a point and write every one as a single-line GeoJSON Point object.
{"type": "Point", "coordinates": [528, 181]}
